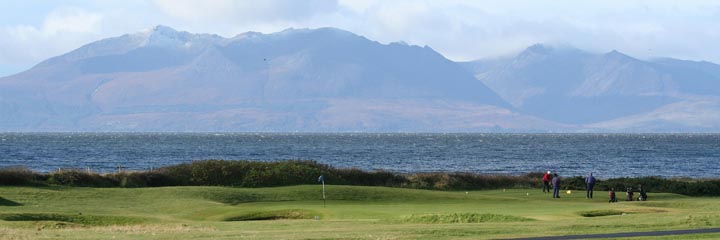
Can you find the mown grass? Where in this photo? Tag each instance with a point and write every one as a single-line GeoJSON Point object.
{"type": "Point", "coordinates": [352, 212]}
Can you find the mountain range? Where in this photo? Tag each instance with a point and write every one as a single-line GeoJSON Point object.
{"type": "Point", "coordinates": [606, 92]}
{"type": "Point", "coordinates": [327, 80]}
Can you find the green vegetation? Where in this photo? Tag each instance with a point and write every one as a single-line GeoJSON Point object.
{"type": "Point", "coordinates": [462, 218]}
{"type": "Point", "coordinates": [272, 215]}
{"type": "Point", "coordinates": [352, 212]}
{"type": "Point", "coordinates": [610, 212]}
{"type": "Point", "coordinates": [71, 218]}
{"type": "Point", "coordinates": [600, 213]}
{"type": "Point", "coordinates": [288, 173]}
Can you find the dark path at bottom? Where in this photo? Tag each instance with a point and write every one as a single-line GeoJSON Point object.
{"type": "Point", "coordinates": [628, 234]}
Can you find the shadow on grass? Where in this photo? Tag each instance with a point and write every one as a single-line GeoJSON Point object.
{"type": "Point", "coordinates": [611, 212]}
{"type": "Point", "coordinates": [78, 218]}
{"type": "Point", "coordinates": [272, 215]}
{"type": "Point", "coordinates": [9, 203]}
{"type": "Point", "coordinates": [463, 218]}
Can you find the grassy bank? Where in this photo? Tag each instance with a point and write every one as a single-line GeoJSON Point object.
{"type": "Point", "coordinates": [352, 212]}
{"type": "Point", "coordinates": [289, 173]}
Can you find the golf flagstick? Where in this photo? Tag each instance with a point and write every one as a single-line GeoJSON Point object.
{"type": "Point", "coordinates": [321, 179]}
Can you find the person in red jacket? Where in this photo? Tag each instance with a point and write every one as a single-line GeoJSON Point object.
{"type": "Point", "coordinates": [612, 195]}
{"type": "Point", "coordinates": [546, 182]}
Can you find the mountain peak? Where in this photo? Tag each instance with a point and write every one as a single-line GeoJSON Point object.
{"type": "Point", "coordinates": [539, 48]}
{"type": "Point", "coordinates": [616, 55]}
{"type": "Point", "coordinates": [165, 31]}
{"type": "Point", "coordinates": [331, 31]}
{"type": "Point", "coordinates": [544, 49]}
{"type": "Point", "coordinates": [164, 36]}
{"type": "Point", "coordinates": [249, 34]}
{"type": "Point", "coordinates": [536, 51]}
{"type": "Point", "coordinates": [158, 30]}
{"type": "Point", "coordinates": [163, 28]}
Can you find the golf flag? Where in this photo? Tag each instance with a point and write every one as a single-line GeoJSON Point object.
{"type": "Point", "coordinates": [322, 180]}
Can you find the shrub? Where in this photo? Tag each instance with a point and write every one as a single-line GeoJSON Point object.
{"type": "Point", "coordinates": [141, 179]}
{"type": "Point", "coordinates": [79, 178]}
{"type": "Point", "coordinates": [284, 173]}
{"type": "Point", "coordinates": [17, 176]}
{"type": "Point", "coordinates": [707, 187]}
{"type": "Point", "coordinates": [244, 173]}
{"type": "Point", "coordinates": [354, 176]}
{"type": "Point", "coordinates": [469, 181]}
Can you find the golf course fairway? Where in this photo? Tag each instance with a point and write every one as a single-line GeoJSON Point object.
{"type": "Point", "coordinates": [351, 212]}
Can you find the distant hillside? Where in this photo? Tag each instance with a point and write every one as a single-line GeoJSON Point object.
{"type": "Point", "coordinates": [606, 92]}
{"type": "Point", "coordinates": [327, 80]}
{"type": "Point", "coordinates": [295, 80]}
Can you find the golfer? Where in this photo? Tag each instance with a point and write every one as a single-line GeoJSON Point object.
{"type": "Point", "coordinates": [546, 182]}
{"type": "Point", "coordinates": [612, 195]}
{"type": "Point", "coordinates": [589, 184]}
{"type": "Point", "coordinates": [556, 186]}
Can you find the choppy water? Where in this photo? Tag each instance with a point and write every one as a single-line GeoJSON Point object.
{"type": "Point", "coordinates": [688, 155]}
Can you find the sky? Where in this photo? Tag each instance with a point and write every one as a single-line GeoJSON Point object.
{"type": "Point", "coordinates": [34, 30]}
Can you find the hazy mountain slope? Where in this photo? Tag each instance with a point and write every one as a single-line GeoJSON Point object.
{"type": "Point", "coordinates": [166, 80]}
{"type": "Point", "coordinates": [689, 115]}
{"type": "Point", "coordinates": [572, 86]}
{"type": "Point", "coordinates": [691, 77]}
{"type": "Point", "coordinates": [333, 80]}
{"type": "Point", "coordinates": [333, 115]}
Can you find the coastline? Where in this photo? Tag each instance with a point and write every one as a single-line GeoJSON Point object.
{"type": "Point", "coordinates": [255, 174]}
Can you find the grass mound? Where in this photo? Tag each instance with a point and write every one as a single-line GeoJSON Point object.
{"type": "Point", "coordinates": [234, 196]}
{"type": "Point", "coordinates": [272, 215]}
{"type": "Point", "coordinates": [231, 197]}
{"type": "Point", "coordinates": [463, 218]}
{"type": "Point", "coordinates": [600, 213]}
{"type": "Point", "coordinates": [89, 220]}
{"type": "Point", "coordinates": [610, 212]}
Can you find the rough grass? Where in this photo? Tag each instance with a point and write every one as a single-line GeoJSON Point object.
{"type": "Point", "coordinates": [273, 215]}
{"type": "Point", "coordinates": [601, 213]}
{"type": "Point", "coordinates": [463, 218]}
{"type": "Point", "coordinates": [88, 220]}
{"type": "Point", "coordinates": [611, 212]}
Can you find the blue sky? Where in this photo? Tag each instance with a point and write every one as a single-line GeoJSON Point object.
{"type": "Point", "coordinates": [34, 30]}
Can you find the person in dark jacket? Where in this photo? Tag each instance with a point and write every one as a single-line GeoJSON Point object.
{"type": "Point", "coordinates": [629, 194]}
{"type": "Point", "coordinates": [556, 186]}
{"type": "Point", "coordinates": [642, 193]}
{"type": "Point", "coordinates": [589, 185]}
{"type": "Point", "coordinates": [612, 195]}
{"type": "Point", "coordinates": [546, 182]}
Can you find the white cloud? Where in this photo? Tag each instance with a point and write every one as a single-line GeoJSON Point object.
{"type": "Point", "coordinates": [464, 30]}
{"type": "Point", "coordinates": [245, 11]}
{"type": "Point", "coordinates": [71, 20]}
{"type": "Point", "coordinates": [61, 30]}
{"type": "Point", "coordinates": [228, 17]}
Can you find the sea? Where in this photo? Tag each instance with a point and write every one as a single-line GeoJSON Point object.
{"type": "Point", "coordinates": [605, 155]}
